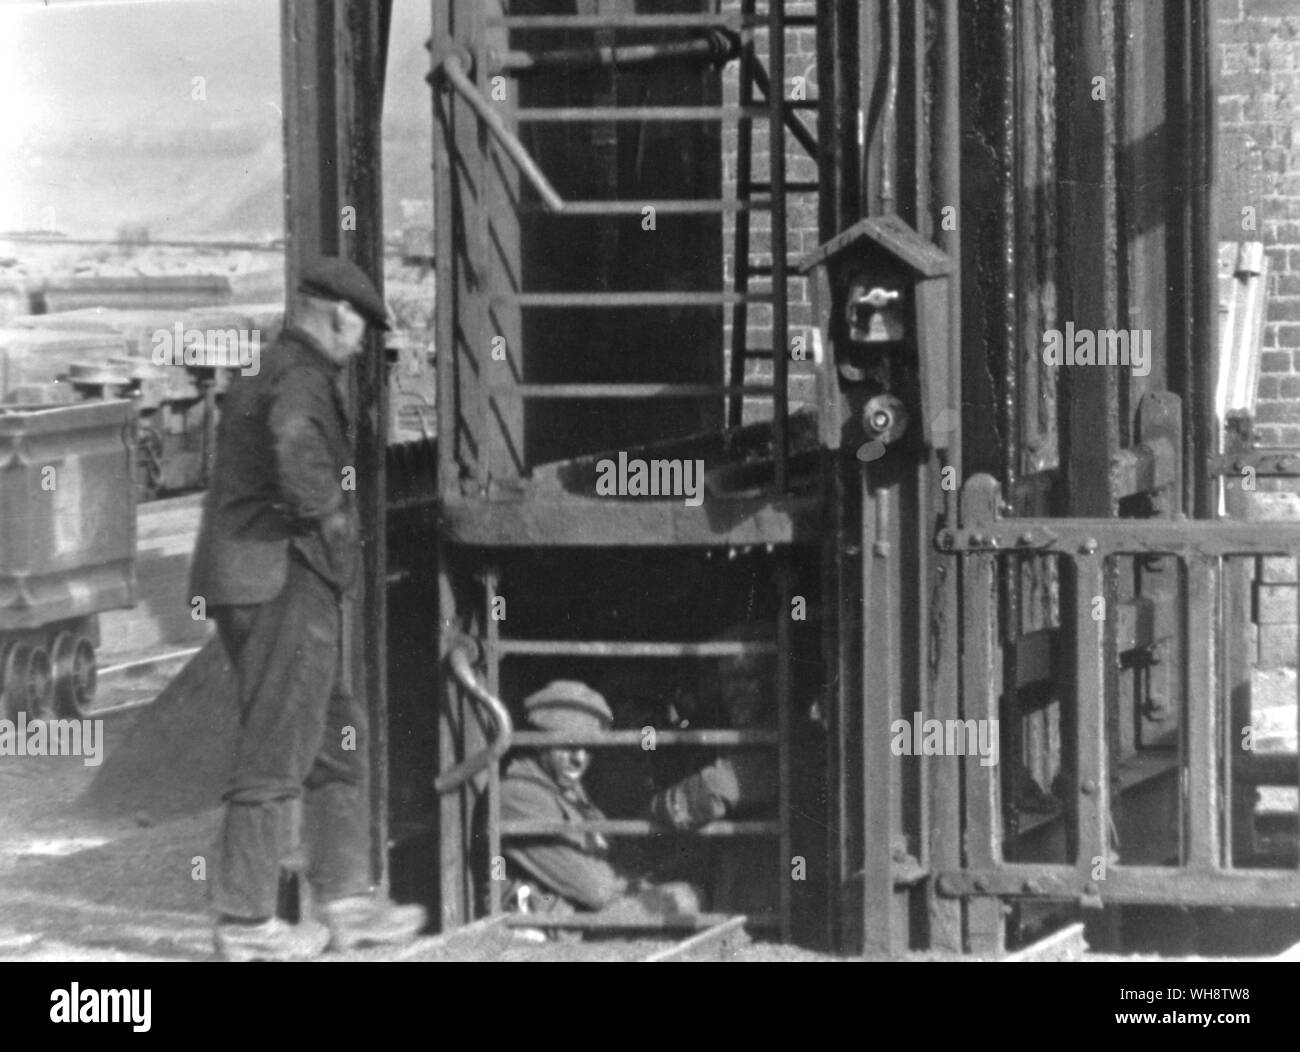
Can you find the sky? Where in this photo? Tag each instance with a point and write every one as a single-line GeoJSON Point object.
{"type": "Point", "coordinates": [166, 114]}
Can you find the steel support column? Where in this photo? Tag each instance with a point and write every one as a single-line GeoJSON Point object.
{"type": "Point", "coordinates": [943, 576]}
{"type": "Point", "coordinates": [332, 72]}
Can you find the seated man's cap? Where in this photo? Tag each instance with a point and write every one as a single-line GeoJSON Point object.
{"type": "Point", "coordinates": [567, 705]}
{"type": "Point", "coordinates": [333, 278]}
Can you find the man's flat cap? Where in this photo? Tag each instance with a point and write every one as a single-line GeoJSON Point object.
{"type": "Point", "coordinates": [333, 278]}
{"type": "Point", "coordinates": [567, 705]}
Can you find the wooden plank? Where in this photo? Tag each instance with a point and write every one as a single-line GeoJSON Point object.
{"type": "Point", "coordinates": [1158, 885]}
{"type": "Point", "coordinates": [1203, 714]}
{"type": "Point", "coordinates": [1092, 772]}
{"type": "Point", "coordinates": [1068, 943]}
{"type": "Point", "coordinates": [712, 943]}
{"type": "Point", "coordinates": [618, 920]}
{"type": "Point", "coordinates": [878, 654]}
{"type": "Point", "coordinates": [981, 689]}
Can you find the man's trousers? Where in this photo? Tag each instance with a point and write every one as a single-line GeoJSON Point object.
{"type": "Point", "coordinates": [300, 729]}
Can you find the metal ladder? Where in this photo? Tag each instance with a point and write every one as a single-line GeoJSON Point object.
{"type": "Point", "coordinates": [782, 117]}
{"type": "Point", "coordinates": [472, 78]}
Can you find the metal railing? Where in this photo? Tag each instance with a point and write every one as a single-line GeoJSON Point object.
{"type": "Point", "coordinates": [1204, 873]}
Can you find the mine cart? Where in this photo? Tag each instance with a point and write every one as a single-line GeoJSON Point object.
{"type": "Point", "coordinates": [67, 547]}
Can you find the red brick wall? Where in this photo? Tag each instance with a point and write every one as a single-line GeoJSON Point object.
{"type": "Point", "coordinates": [1259, 95]}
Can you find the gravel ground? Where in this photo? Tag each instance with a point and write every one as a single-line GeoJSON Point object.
{"type": "Point", "coordinates": [74, 886]}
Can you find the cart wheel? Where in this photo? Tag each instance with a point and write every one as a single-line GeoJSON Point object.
{"type": "Point", "coordinates": [75, 674]}
{"type": "Point", "coordinates": [28, 683]}
{"type": "Point", "coordinates": [149, 461]}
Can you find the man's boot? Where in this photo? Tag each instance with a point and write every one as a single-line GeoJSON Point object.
{"type": "Point", "coordinates": [271, 940]}
{"type": "Point", "coordinates": [363, 920]}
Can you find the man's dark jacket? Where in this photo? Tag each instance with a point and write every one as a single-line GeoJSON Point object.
{"type": "Point", "coordinates": [283, 477]}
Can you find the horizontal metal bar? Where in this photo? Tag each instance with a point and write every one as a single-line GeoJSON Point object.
{"type": "Point", "coordinates": [717, 739]}
{"type": "Point", "coordinates": [628, 299]}
{"type": "Point", "coordinates": [1269, 462]}
{"type": "Point", "coordinates": [1163, 885]}
{"type": "Point", "coordinates": [611, 21]}
{"type": "Point", "coordinates": [662, 206]}
{"type": "Point", "coordinates": [604, 114]}
{"type": "Point", "coordinates": [795, 187]}
{"type": "Point", "coordinates": [593, 648]}
{"type": "Point", "coordinates": [716, 46]}
{"type": "Point", "coordinates": [763, 270]}
{"type": "Point", "coordinates": [635, 827]}
{"type": "Point", "coordinates": [1186, 537]}
{"type": "Point", "coordinates": [652, 391]}
{"type": "Point", "coordinates": [721, 19]}
{"type": "Point", "coordinates": [1268, 768]}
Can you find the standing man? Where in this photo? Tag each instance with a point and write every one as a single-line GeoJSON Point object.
{"type": "Point", "coordinates": [276, 560]}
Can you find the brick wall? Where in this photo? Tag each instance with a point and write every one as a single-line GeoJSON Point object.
{"type": "Point", "coordinates": [1259, 130]}
{"type": "Point", "coordinates": [801, 209]}
{"type": "Point", "coordinates": [1259, 96]}
{"type": "Point", "coordinates": [1259, 55]}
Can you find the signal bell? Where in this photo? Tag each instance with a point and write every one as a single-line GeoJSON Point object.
{"type": "Point", "coordinates": [881, 299]}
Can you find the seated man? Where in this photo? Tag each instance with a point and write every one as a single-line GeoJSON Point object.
{"type": "Point", "coordinates": [560, 871]}
{"type": "Point", "coordinates": [735, 784]}
{"type": "Point", "coordinates": [738, 779]}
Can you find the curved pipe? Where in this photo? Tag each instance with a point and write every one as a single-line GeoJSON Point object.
{"type": "Point", "coordinates": [461, 659]}
{"type": "Point", "coordinates": [455, 71]}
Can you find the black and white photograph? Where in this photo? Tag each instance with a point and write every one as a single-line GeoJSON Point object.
{"type": "Point", "coordinates": [651, 481]}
